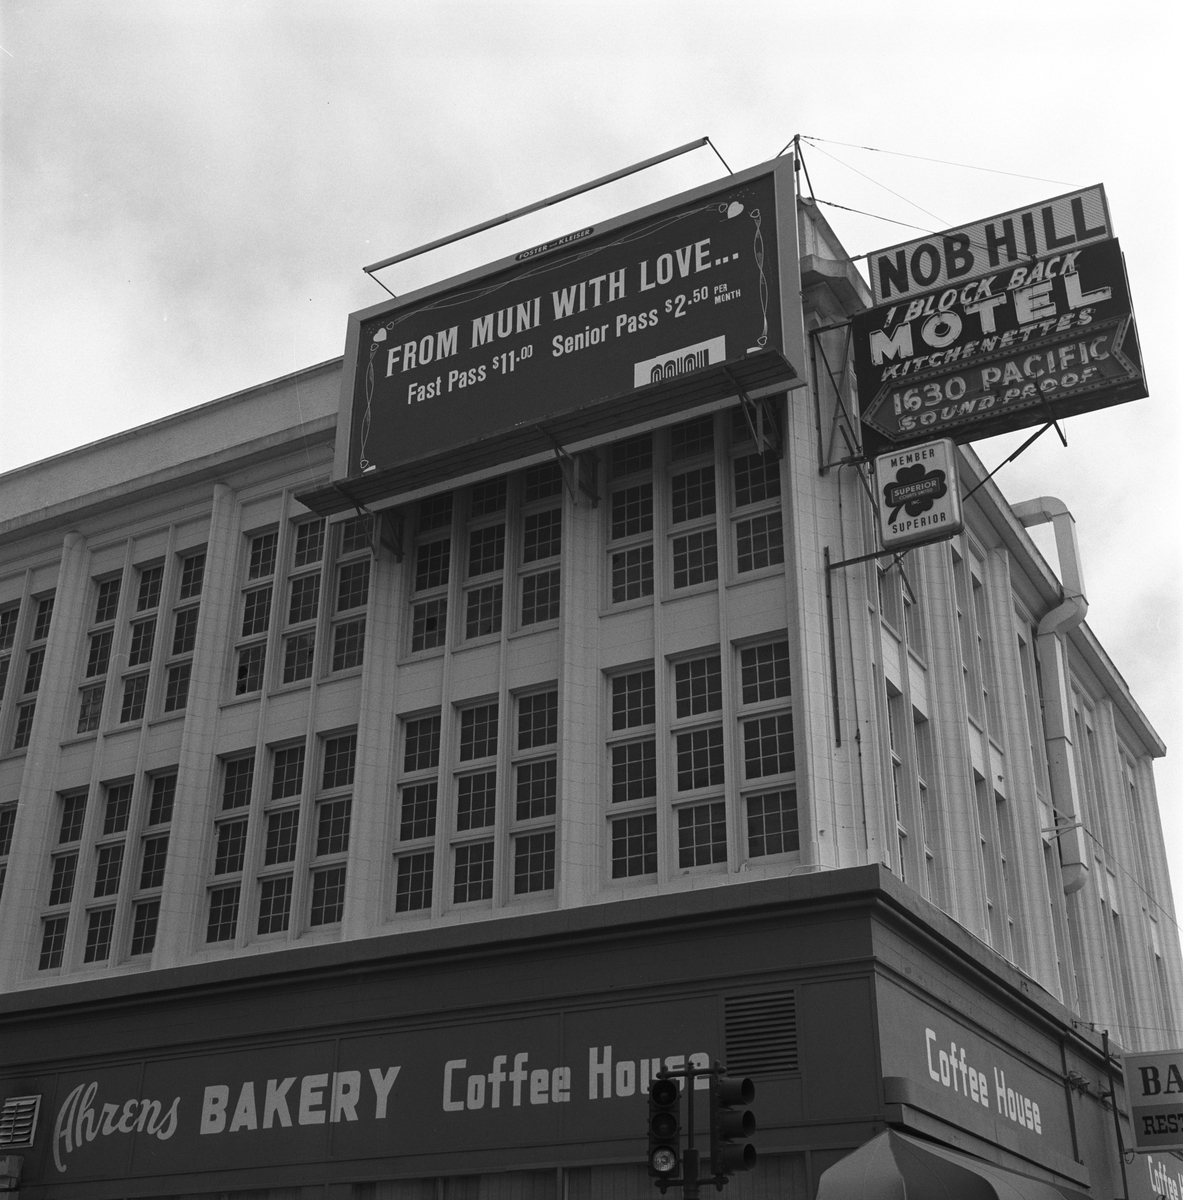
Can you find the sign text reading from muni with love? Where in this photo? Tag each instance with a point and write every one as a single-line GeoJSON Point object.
{"type": "Point", "coordinates": [692, 286]}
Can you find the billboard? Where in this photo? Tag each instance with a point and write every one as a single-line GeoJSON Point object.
{"type": "Point", "coordinates": [1154, 1085]}
{"type": "Point", "coordinates": [646, 303]}
{"type": "Point", "coordinates": [1045, 339]}
{"type": "Point", "coordinates": [918, 498]}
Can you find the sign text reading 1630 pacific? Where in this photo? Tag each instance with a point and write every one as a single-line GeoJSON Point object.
{"type": "Point", "coordinates": [688, 288]}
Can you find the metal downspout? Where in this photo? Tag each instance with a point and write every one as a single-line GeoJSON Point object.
{"type": "Point", "coordinates": [1052, 649]}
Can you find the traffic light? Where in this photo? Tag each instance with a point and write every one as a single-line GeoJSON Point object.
{"type": "Point", "coordinates": [731, 1126]}
{"type": "Point", "coordinates": [665, 1128]}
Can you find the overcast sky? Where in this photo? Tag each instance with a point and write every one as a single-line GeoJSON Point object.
{"type": "Point", "coordinates": [191, 187]}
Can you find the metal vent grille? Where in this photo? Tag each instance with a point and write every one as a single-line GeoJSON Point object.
{"type": "Point", "coordinates": [761, 1033]}
{"type": "Point", "coordinates": [18, 1120]}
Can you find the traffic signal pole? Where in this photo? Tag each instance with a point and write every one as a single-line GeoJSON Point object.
{"type": "Point", "coordinates": [721, 1092]}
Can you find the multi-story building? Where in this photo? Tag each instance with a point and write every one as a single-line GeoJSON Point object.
{"type": "Point", "coordinates": [552, 772]}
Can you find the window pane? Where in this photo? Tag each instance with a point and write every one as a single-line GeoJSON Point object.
{"type": "Point", "coordinates": [633, 700]}
{"type": "Point", "coordinates": [696, 558]}
{"type": "Point", "coordinates": [772, 823]}
{"type": "Point", "coordinates": [24, 726]}
{"type": "Point", "coordinates": [488, 497]}
{"type": "Point", "coordinates": [349, 644]}
{"type": "Point", "coordinates": [538, 720]}
{"type": "Point", "coordinates": [435, 513]}
{"type": "Point", "coordinates": [543, 535]}
{"type": "Point", "coordinates": [185, 631]}
{"type": "Point", "coordinates": [108, 601]}
{"type": "Point", "coordinates": [108, 870]}
{"type": "Point", "coordinates": [61, 885]}
{"type": "Point", "coordinates": [332, 827]}
{"type": "Point", "coordinates": [282, 828]}
{"type": "Point", "coordinates": [304, 599]}
{"type": "Point", "coordinates": [251, 660]}
{"type": "Point", "coordinates": [73, 812]}
{"type": "Point", "coordinates": [484, 611]}
{"type": "Point", "coordinates": [768, 746]}
{"type": "Point", "coordinates": [7, 824]}
{"type": "Point", "coordinates": [634, 846]}
{"type": "Point", "coordinates": [431, 565]}
{"type": "Point", "coordinates": [99, 657]}
{"type": "Point", "coordinates": [143, 934]}
{"type": "Point", "coordinates": [632, 456]}
{"type": "Point", "coordinates": [355, 535]}
{"type": "Point", "coordinates": [476, 800]}
{"type": "Point", "coordinates": [486, 550]}
{"type": "Point", "coordinates": [155, 855]}
{"type": "Point", "coordinates": [757, 477]}
{"type": "Point", "coordinates": [53, 943]}
{"type": "Point", "coordinates": [700, 758]}
{"type": "Point", "coordinates": [422, 744]}
{"type": "Point", "coordinates": [328, 896]}
{"type": "Point", "coordinates": [33, 671]}
{"type": "Point", "coordinates": [231, 847]}
{"type": "Point", "coordinates": [542, 481]}
{"type": "Point", "coordinates": [236, 785]}
{"type": "Point", "coordinates": [299, 651]}
{"type": "Point", "coordinates": [634, 771]}
{"type": "Point", "coordinates": [698, 686]}
{"type": "Point", "coordinates": [632, 574]}
{"type": "Point", "coordinates": [428, 624]}
{"type": "Point", "coordinates": [474, 873]}
{"type": "Point", "coordinates": [256, 611]}
{"type": "Point", "coordinates": [340, 761]}
{"type": "Point", "coordinates": [417, 816]}
{"type": "Point", "coordinates": [176, 688]}
{"type": "Point", "coordinates": [164, 790]}
{"type": "Point", "coordinates": [765, 672]}
{"type": "Point", "coordinates": [759, 543]}
{"type": "Point", "coordinates": [44, 616]}
{"type": "Point", "coordinates": [702, 835]}
{"type": "Point", "coordinates": [90, 711]}
{"type": "Point", "coordinates": [287, 776]}
{"type": "Point", "coordinates": [192, 576]}
{"type": "Point", "coordinates": [118, 809]}
{"type": "Point", "coordinates": [478, 732]}
{"type": "Point", "coordinates": [275, 905]}
{"type": "Point", "coordinates": [537, 789]}
{"type": "Point", "coordinates": [98, 935]}
{"type": "Point", "coordinates": [353, 585]}
{"type": "Point", "coordinates": [413, 888]}
{"type": "Point", "coordinates": [693, 495]}
{"type": "Point", "coordinates": [143, 634]}
{"type": "Point", "coordinates": [310, 540]}
{"type": "Point", "coordinates": [540, 598]}
{"type": "Point", "coordinates": [262, 559]}
{"type": "Point", "coordinates": [223, 914]}
{"type": "Point", "coordinates": [149, 594]}
{"type": "Point", "coordinates": [632, 510]}
{"type": "Point", "coordinates": [534, 862]}
{"type": "Point", "coordinates": [692, 437]}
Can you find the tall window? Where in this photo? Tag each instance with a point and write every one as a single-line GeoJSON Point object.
{"type": "Point", "coordinates": [475, 800]}
{"type": "Point", "coordinates": [431, 573]}
{"type": "Point", "coordinates": [418, 800]}
{"type": "Point", "coordinates": [9, 618]}
{"type": "Point", "coordinates": [541, 543]}
{"type": "Point", "coordinates": [7, 825]}
{"type": "Point", "coordinates": [351, 594]}
{"type": "Point", "coordinates": [536, 791]}
{"type": "Point", "coordinates": [757, 533]}
{"type": "Point", "coordinates": [693, 540]}
{"type": "Point", "coordinates": [485, 559]}
{"type": "Point", "coordinates": [34, 662]}
{"type": "Point", "coordinates": [630, 519]}
{"type": "Point", "coordinates": [63, 871]}
{"type": "Point", "coordinates": [110, 866]}
{"type": "Point", "coordinates": [183, 632]}
{"type": "Point", "coordinates": [99, 648]}
{"type": "Point", "coordinates": [255, 617]}
{"type": "Point", "coordinates": [302, 600]}
{"type": "Point", "coordinates": [153, 859]}
{"type": "Point", "coordinates": [698, 755]}
{"type": "Point", "coordinates": [769, 762]}
{"type": "Point", "coordinates": [632, 762]}
{"type": "Point", "coordinates": [333, 811]}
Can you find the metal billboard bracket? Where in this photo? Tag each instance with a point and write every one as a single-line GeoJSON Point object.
{"type": "Point", "coordinates": [853, 445]}
{"type": "Point", "coordinates": [760, 420]}
{"type": "Point", "coordinates": [578, 474]}
{"type": "Point", "coordinates": [383, 528]}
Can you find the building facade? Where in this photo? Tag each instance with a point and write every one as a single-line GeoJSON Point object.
{"type": "Point", "coordinates": [621, 724]}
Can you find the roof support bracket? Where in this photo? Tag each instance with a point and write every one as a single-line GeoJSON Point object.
{"type": "Point", "coordinates": [761, 421]}
{"type": "Point", "coordinates": [579, 474]}
{"type": "Point", "coordinates": [384, 528]}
